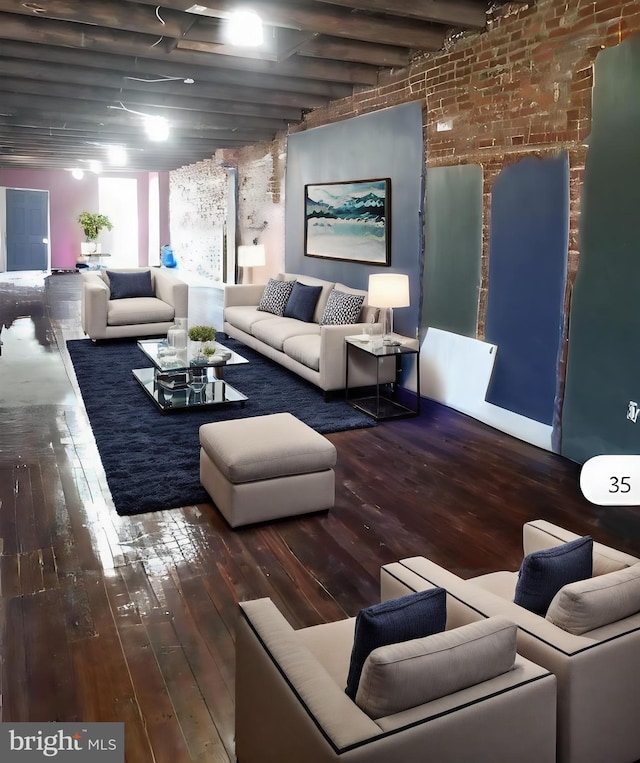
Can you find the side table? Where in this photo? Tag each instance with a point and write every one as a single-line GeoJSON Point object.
{"type": "Point", "coordinates": [378, 405]}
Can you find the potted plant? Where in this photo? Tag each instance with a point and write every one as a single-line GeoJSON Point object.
{"type": "Point", "coordinates": [200, 335]}
{"type": "Point", "coordinates": [92, 223]}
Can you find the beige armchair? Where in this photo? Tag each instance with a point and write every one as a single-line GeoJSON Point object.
{"type": "Point", "coordinates": [104, 317]}
{"type": "Point", "coordinates": [598, 671]}
{"type": "Point", "coordinates": [291, 704]}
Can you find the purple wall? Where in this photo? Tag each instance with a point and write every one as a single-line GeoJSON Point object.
{"type": "Point", "coordinates": [69, 197]}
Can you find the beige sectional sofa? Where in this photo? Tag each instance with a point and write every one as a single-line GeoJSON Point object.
{"type": "Point", "coordinates": [313, 351]}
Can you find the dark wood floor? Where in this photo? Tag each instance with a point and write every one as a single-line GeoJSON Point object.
{"type": "Point", "coordinates": [132, 618]}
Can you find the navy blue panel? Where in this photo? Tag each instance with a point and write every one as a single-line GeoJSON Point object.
{"type": "Point", "coordinates": [387, 143]}
{"type": "Point", "coordinates": [453, 249]}
{"type": "Point", "coordinates": [602, 391]}
{"type": "Point", "coordinates": [527, 276]}
{"type": "Point", "coordinates": [27, 226]}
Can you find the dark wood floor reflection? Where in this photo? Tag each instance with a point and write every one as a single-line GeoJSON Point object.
{"type": "Point", "coordinates": [132, 619]}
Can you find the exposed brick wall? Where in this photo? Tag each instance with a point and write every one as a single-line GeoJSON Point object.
{"type": "Point", "coordinates": [522, 88]}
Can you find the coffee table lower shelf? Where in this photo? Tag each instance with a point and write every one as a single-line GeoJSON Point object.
{"type": "Point", "coordinates": [181, 397]}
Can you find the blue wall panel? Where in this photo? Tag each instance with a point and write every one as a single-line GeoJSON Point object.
{"type": "Point", "coordinates": [387, 143]}
{"type": "Point", "coordinates": [453, 249]}
{"type": "Point", "coordinates": [527, 277]}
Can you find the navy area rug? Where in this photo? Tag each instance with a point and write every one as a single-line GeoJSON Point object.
{"type": "Point", "coordinates": [151, 458]}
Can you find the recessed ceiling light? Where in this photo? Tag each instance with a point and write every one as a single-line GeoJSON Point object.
{"type": "Point", "coordinates": [244, 29]}
{"type": "Point", "coordinates": [157, 128]}
{"type": "Point", "coordinates": [77, 173]}
{"type": "Point", "coordinates": [117, 155]}
{"type": "Point", "coordinates": [188, 81]}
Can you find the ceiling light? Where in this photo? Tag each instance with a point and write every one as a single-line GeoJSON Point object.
{"type": "Point", "coordinates": [244, 29]}
{"type": "Point", "coordinates": [157, 128]}
{"type": "Point", "coordinates": [117, 155]}
{"type": "Point", "coordinates": [188, 81]}
{"type": "Point", "coordinates": [77, 173]}
{"type": "Point", "coordinates": [95, 166]}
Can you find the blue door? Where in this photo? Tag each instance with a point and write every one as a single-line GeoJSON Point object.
{"type": "Point", "coordinates": [27, 230]}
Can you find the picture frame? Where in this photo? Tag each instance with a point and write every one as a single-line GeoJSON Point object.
{"type": "Point", "coordinates": [349, 221]}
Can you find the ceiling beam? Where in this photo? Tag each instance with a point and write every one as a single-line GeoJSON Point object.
{"type": "Point", "coordinates": [452, 12]}
{"type": "Point", "coordinates": [254, 87]}
{"type": "Point", "coordinates": [354, 50]}
{"type": "Point", "coordinates": [337, 23]}
{"type": "Point", "coordinates": [82, 36]}
{"type": "Point", "coordinates": [138, 100]}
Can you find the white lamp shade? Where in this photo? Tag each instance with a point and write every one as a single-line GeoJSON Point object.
{"type": "Point", "coordinates": [388, 290]}
{"type": "Point", "coordinates": [251, 256]}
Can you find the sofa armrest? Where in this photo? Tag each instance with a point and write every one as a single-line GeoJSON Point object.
{"type": "Point", "coordinates": [95, 301]}
{"type": "Point", "coordinates": [540, 534]}
{"type": "Point", "coordinates": [243, 294]}
{"type": "Point", "coordinates": [172, 290]}
{"type": "Point", "coordinates": [333, 358]}
{"type": "Point", "coordinates": [279, 683]}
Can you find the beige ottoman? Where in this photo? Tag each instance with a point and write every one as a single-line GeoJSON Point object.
{"type": "Point", "coordinates": [266, 467]}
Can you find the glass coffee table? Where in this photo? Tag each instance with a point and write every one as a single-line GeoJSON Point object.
{"type": "Point", "coordinates": [178, 380]}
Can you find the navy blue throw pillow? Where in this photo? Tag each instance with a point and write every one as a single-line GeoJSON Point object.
{"type": "Point", "coordinates": [543, 573]}
{"type": "Point", "coordinates": [413, 616]}
{"type": "Point", "coordinates": [302, 301]}
{"type": "Point", "coordinates": [134, 284]}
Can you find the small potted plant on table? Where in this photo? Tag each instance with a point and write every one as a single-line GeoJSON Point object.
{"type": "Point", "coordinates": [200, 336]}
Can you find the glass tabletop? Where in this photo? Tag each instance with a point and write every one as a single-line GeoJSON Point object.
{"type": "Point", "coordinates": [167, 358]}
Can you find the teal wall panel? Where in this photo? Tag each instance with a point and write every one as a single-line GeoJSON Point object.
{"type": "Point", "coordinates": [453, 249]}
{"type": "Point", "coordinates": [603, 364]}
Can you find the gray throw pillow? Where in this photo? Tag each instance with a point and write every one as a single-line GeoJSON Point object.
{"type": "Point", "coordinates": [275, 296]}
{"type": "Point", "coordinates": [342, 308]}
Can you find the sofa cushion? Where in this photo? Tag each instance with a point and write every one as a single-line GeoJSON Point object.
{"type": "Point", "coordinates": [588, 604]}
{"type": "Point", "coordinates": [302, 302]}
{"type": "Point", "coordinates": [543, 573]}
{"type": "Point", "coordinates": [400, 676]}
{"type": "Point", "coordinates": [342, 308]}
{"type": "Point", "coordinates": [132, 284]}
{"type": "Point", "coordinates": [275, 332]}
{"type": "Point", "coordinates": [408, 617]}
{"type": "Point", "coordinates": [304, 349]}
{"type": "Point", "coordinates": [245, 316]}
{"type": "Point", "coordinates": [275, 296]}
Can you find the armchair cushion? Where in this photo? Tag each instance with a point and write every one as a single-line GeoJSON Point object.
{"type": "Point", "coordinates": [134, 284]}
{"type": "Point", "coordinates": [408, 617]}
{"type": "Point", "coordinates": [543, 573]}
{"type": "Point", "coordinates": [400, 676]}
{"type": "Point", "coordinates": [588, 604]}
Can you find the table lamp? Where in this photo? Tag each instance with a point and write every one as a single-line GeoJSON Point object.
{"type": "Point", "coordinates": [251, 256]}
{"type": "Point", "coordinates": [389, 290]}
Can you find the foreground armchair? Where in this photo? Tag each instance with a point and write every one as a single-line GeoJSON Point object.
{"type": "Point", "coordinates": [291, 703]}
{"type": "Point", "coordinates": [597, 665]}
{"type": "Point", "coordinates": [131, 302]}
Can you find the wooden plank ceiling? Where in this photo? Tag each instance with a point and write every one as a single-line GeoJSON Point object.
{"type": "Point", "coordinates": [76, 77]}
